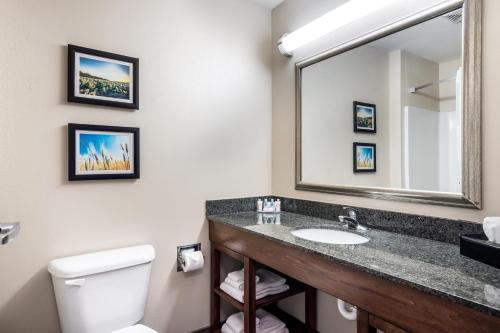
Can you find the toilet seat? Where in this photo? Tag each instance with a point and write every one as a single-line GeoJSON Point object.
{"type": "Point", "coordinates": [135, 329]}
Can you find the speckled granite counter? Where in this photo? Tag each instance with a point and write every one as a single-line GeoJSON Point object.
{"type": "Point", "coordinates": [430, 266]}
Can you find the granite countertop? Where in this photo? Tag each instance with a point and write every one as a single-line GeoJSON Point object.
{"type": "Point", "coordinates": [430, 266]}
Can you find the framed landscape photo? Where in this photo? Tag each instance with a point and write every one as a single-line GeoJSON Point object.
{"type": "Point", "coordinates": [365, 117]}
{"type": "Point", "coordinates": [102, 78]}
{"type": "Point", "coordinates": [102, 152]}
{"type": "Point", "coordinates": [364, 157]}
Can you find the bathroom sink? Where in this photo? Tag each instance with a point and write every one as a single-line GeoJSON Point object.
{"type": "Point", "coordinates": [329, 236]}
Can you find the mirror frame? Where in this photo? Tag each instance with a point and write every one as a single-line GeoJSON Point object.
{"type": "Point", "coordinates": [471, 104]}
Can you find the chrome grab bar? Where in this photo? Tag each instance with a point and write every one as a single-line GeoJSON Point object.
{"type": "Point", "coordinates": [8, 231]}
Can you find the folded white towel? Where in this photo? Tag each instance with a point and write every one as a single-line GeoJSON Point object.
{"type": "Point", "coordinates": [264, 279]}
{"type": "Point", "coordinates": [227, 329]}
{"type": "Point", "coordinates": [491, 227]}
{"type": "Point", "coordinates": [269, 279]}
{"type": "Point", "coordinates": [235, 323]}
{"type": "Point", "coordinates": [269, 323]}
{"type": "Point", "coordinates": [237, 285]}
{"type": "Point", "coordinates": [238, 277]}
{"type": "Point", "coordinates": [238, 294]}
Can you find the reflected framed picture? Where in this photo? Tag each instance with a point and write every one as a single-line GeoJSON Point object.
{"type": "Point", "coordinates": [102, 78]}
{"type": "Point", "coordinates": [364, 157]}
{"type": "Point", "coordinates": [102, 152]}
{"type": "Point", "coordinates": [365, 117]}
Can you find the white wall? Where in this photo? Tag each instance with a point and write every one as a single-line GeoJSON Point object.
{"type": "Point", "coordinates": [449, 131]}
{"type": "Point", "coordinates": [291, 15]}
{"type": "Point", "coordinates": [422, 138]}
{"type": "Point", "coordinates": [205, 122]}
{"type": "Point", "coordinates": [327, 117]}
{"type": "Point", "coordinates": [422, 155]}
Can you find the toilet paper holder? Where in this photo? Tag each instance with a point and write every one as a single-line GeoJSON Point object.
{"type": "Point", "coordinates": [182, 248]}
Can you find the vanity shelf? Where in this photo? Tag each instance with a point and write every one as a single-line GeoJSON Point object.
{"type": "Point", "coordinates": [251, 304]}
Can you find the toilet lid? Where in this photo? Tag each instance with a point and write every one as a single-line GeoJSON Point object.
{"type": "Point", "coordinates": [135, 329]}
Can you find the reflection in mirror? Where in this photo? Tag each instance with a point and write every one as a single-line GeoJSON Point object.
{"type": "Point", "coordinates": [387, 114]}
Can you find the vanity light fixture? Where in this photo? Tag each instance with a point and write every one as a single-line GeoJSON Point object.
{"type": "Point", "coordinates": [348, 12]}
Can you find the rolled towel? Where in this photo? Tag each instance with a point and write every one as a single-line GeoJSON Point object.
{"type": "Point", "coordinates": [235, 322]}
{"type": "Point", "coordinates": [238, 278]}
{"type": "Point", "coordinates": [238, 294]}
{"type": "Point", "coordinates": [491, 227]}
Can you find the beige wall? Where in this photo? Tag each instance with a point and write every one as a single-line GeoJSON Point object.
{"type": "Point", "coordinates": [327, 117]}
{"type": "Point", "coordinates": [205, 122]}
{"type": "Point", "coordinates": [294, 13]}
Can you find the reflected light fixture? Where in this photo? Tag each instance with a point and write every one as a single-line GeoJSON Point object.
{"type": "Point", "coordinates": [344, 14]}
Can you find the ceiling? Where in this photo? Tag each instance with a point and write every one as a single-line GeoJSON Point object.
{"type": "Point", "coordinates": [438, 40]}
{"type": "Point", "coordinates": [269, 4]}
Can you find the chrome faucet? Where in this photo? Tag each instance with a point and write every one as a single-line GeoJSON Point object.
{"type": "Point", "coordinates": [351, 221]}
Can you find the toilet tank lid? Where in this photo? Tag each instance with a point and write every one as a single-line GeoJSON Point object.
{"type": "Point", "coordinates": [99, 262]}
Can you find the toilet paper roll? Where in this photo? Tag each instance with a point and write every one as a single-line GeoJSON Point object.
{"type": "Point", "coordinates": [192, 260]}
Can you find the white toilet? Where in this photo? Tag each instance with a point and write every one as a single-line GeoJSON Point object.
{"type": "Point", "coordinates": [103, 292]}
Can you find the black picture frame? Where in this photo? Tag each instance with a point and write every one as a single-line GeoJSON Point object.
{"type": "Point", "coordinates": [73, 130]}
{"type": "Point", "coordinates": [355, 166]}
{"type": "Point", "coordinates": [77, 97]}
{"type": "Point", "coordinates": [355, 108]}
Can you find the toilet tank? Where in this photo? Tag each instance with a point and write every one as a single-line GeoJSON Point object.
{"type": "Point", "coordinates": [103, 291]}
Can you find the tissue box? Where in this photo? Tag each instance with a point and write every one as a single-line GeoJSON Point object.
{"type": "Point", "coordinates": [478, 247]}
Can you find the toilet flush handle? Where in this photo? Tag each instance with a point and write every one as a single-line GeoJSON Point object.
{"type": "Point", "coordinates": [75, 282]}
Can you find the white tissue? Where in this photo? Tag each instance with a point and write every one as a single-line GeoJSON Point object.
{"type": "Point", "coordinates": [192, 260]}
{"type": "Point", "coordinates": [491, 227]}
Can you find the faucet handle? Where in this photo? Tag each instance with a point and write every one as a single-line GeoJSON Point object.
{"type": "Point", "coordinates": [352, 213]}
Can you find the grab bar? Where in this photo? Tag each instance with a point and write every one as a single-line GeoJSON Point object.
{"type": "Point", "coordinates": [8, 231]}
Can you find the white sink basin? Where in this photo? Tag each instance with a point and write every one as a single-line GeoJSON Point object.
{"type": "Point", "coordinates": [329, 236]}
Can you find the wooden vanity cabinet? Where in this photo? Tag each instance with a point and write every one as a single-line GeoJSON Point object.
{"type": "Point", "coordinates": [383, 304]}
{"type": "Point", "coordinates": [250, 303]}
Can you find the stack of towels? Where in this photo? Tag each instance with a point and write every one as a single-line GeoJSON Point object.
{"type": "Point", "coordinates": [265, 323]}
{"type": "Point", "coordinates": [267, 283]}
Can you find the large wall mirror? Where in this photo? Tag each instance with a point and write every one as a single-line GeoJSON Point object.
{"type": "Point", "coordinates": [395, 114]}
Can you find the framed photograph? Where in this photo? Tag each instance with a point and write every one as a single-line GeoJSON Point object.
{"type": "Point", "coordinates": [365, 117]}
{"type": "Point", "coordinates": [102, 152]}
{"type": "Point", "coordinates": [364, 157]}
{"type": "Point", "coordinates": [102, 78]}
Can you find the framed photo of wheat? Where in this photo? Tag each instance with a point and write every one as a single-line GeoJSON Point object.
{"type": "Point", "coordinates": [102, 78]}
{"type": "Point", "coordinates": [102, 152]}
{"type": "Point", "coordinates": [364, 157]}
